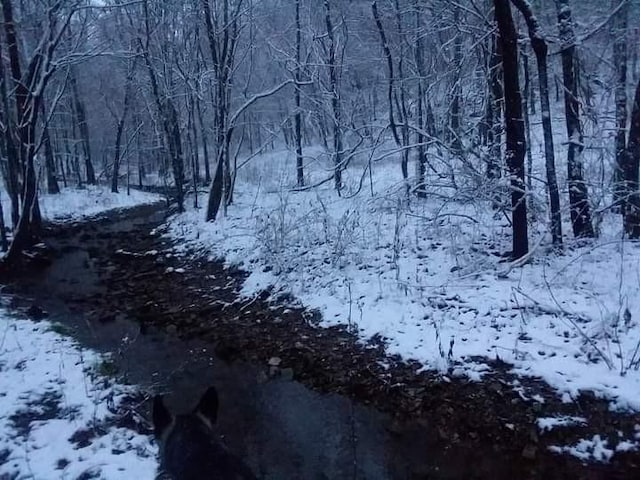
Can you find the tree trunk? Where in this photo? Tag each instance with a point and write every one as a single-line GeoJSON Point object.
{"type": "Point", "coordinates": [298, 114]}
{"type": "Point", "coordinates": [4, 243]}
{"type": "Point", "coordinates": [116, 156]}
{"type": "Point", "coordinates": [12, 173]}
{"type": "Point", "coordinates": [619, 32]}
{"type": "Point", "coordinates": [494, 111]}
{"type": "Point", "coordinates": [205, 147]}
{"type": "Point", "coordinates": [631, 164]}
{"type": "Point", "coordinates": [396, 106]}
{"type": "Point", "coordinates": [516, 145]}
{"type": "Point", "coordinates": [27, 107]}
{"type": "Point", "coordinates": [223, 36]}
{"type": "Point", "coordinates": [456, 101]}
{"type": "Point", "coordinates": [525, 114]}
{"type": "Point", "coordinates": [335, 100]}
{"type": "Point", "coordinates": [539, 46]}
{"type": "Point", "coordinates": [215, 191]}
{"type": "Point", "coordinates": [50, 162]}
{"type": "Point", "coordinates": [578, 194]}
{"type": "Point", "coordinates": [81, 120]}
{"type": "Point", "coordinates": [419, 56]}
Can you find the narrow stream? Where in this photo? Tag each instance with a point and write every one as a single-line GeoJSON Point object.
{"type": "Point", "coordinates": [281, 428]}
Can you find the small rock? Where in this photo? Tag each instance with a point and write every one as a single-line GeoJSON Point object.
{"type": "Point", "coordinates": [287, 374]}
{"type": "Point", "coordinates": [172, 329]}
{"type": "Point", "coordinates": [275, 361]}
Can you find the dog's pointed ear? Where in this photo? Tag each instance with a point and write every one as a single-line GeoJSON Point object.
{"type": "Point", "coordinates": [161, 416]}
{"type": "Point", "coordinates": [208, 405]}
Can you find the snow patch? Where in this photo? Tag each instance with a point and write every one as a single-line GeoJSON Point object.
{"type": "Point", "coordinates": [55, 410]}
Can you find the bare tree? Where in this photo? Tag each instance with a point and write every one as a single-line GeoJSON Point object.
{"type": "Point", "coordinates": [223, 23]}
{"type": "Point", "coordinates": [167, 112]}
{"type": "Point", "coordinates": [619, 32]}
{"type": "Point", "coordinates": [631, 166]}
{"type": "Point", "coordinates": [126, 103]}
{"type": "Point", "coordinates": [334, 92]}
{"type": "Point", "coordinates": [578, 194]}
{"type": "Point", "coordinates": [81, 121]}
{"type": "Point", "coordinates": [539, 45]}
{"type": "Point", "coordinates": [298, 112]}
{"type": "Point", "coordinates": [29, 88]}
{"type": "Point", "coordinates": [514, 124]}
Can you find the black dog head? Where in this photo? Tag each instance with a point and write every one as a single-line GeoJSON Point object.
{"type": "Point", "coordinates": [189, 449]}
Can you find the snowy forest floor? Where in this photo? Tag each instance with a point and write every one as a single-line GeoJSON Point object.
{"type": "Point", "coordinates": [429, 280]}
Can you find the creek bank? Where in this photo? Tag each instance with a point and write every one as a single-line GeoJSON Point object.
{"type": "Point", "coordinates": [121, 276]}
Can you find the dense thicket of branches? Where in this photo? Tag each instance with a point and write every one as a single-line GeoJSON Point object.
{"type": "Point", "coordinates": [156, 93]}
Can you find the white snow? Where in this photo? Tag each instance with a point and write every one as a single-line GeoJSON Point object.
{"type": "Point", "coordinates": [588, 449]}
{"type": "Point", "coordinates": [428, 277]}
{"type": "Point", "coordinates": [546, 424]}
{"type": "Point", "coordinates": [74, 203]}
{"type": "Point", "coordinates": [35, 364]}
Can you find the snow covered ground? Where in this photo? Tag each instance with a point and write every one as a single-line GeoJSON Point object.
{"type": "Point", "coordinates": [57, 412]}
{"type": "Point", "coordinates": [75, 203]}
{"type": "Point", "coordinates": [430, 277]}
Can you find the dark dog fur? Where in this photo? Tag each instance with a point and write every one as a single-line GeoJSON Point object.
{"type": "Point", "coordinates": [189, 449]}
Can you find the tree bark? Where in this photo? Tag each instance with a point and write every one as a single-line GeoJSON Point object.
{"type": "Point", "coordinates": [205, 146]}
{"type": "Point", "coordinates": [397, 106]}
{"type": "Point", "coordinates": [631, 165]}
{"type": "Point", "coordinates": [494, 110]}
{"type": "Point", "coordinates": [12, 173]}
{"type": "Point", "coordinates": [516, 145]}
{"type": "Point", "coordinates": [4, 243]}
{"type": "Point", "coordinates": [81, 120]}
{"type": "Point", "coordinates": [298, 114]}
{"type": "Point", "coordinates": [222, 35]}
{"type": "Point", "coordinates": [525, 114]}
{"type": "Point", "coordinates": [456, 101]}
{"type": "Point", "coordinates": [118, 142]}
{"type": "Point", "coordinates": [578, 194]}
{"type": "Point", "coordinates": [539, 46]}
{"type": "Point", "coordinates": [50, 162]}
{"type": "Point", "coordinates": [27, 107]}
{"type": "Point", "coordinates": [619, 32]}
{"type": "Point", "coordinates": [335, 100]}
{"type": "Point", "coordinates": [419, 56]}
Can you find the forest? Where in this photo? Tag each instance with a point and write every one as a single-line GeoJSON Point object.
{"type": "Point", "coordinates": [427, 208]}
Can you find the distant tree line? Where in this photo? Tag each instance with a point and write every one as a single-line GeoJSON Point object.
{"type": "Point", "coordinates": [174, 93]}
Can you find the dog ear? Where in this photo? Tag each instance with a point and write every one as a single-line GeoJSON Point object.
{"type": "Point", "coordinates": [208, 406]}
{"type": "Point", "coordinates": [161, 416]}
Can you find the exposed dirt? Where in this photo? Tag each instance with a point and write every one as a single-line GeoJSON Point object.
{"type": "Point", "coordinates": [472, 430]}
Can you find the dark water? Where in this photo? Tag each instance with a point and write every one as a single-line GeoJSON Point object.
{"type": "Point", "coordinates": [282, 429]}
